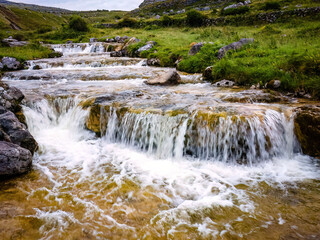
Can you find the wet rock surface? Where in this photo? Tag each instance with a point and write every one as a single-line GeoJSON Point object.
{"type": "Point", "coordinates": [169, 78]}
{"type": "Point", "coordinates": [17, 145]}
{"type": "Point", "coordinates": [14, 159]}
{"type": "Point", "coordinates": [307, 128]}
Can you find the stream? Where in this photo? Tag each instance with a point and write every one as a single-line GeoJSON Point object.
{"type": "Point", "coordinates": [191, 161]}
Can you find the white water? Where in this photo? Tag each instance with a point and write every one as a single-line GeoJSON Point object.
{"type": "Point", "coordinates": [153, 175]}
{"type": "Point", "coordinates": [188, 185]}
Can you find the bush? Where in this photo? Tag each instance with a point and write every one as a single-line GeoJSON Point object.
{"type": "Point", "coordinates": [127, 22]}
{"type": "Point", "coordinates": [195, 18]}
{"type": "Point", "coordinates": [76, 23]}
{"type": "Point", "coordinates": [235, 11]}
{"type": "Point", "coordinates": [272, 6]}
{"type": "Point", "coordinates": [166, 21]}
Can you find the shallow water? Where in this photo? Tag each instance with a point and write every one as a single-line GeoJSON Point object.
{"type": "Point", "coordinates": [164, 168]}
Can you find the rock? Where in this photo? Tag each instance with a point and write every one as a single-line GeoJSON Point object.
{"type": "Point", "coordinates": [92, 40]}
{"type": "Point", "coordinates": [14, 159]}
{"type": "Point", "coordinates": [11, 63]}
{"type": "Point", "coordinates": [146, 47]}
{"type": "Point", "coordinates": [274, 84]}
{"type": "Point", "coordinates": [17, 131]}
{"type": "Point", "coordinates": [154, 62]}
{"type": "Point", "coordinates": [36, 67]}
{"type": "Point", "coordinates": [195, 49]}
{"type": "Point", "coordinates": [233, 46]}
{"type": "Point", "coordinates": [10, 98]}
{"type": "Point", "coordinates": [13, 42]}
{"type": "Point", "coordinates": [224, 83]}
{"type": "Point", "coordinates": [131, 41]}
{"type": "Point", "coordinates": [253, 87]}
{"type": "Point", "coordinates": [69, 42]}
{"type": "Point", "coordinates": [170, 78]}
{"type": "Point", "coordinates": [1, 65]}
{"type": "Point", "coordinates": [157, 17]}
{"type": "Point", "coordinates": [117, 38]}
{"type": "Point", "coordinates": [207, 74]}
{"type": "Point", "coordinates": [307, 129]}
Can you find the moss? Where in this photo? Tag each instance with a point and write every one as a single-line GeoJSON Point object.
{"type": "Point", "coordinates": [93, 121]}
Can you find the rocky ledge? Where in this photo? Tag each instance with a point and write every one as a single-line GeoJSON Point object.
{"type": "Point", "coordinates": [17, 145]}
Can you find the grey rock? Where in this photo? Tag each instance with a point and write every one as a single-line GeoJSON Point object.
{"type": "Point", "coordinates": [153, 62]}
{"type": "Point", "coordinates": [92, 40]}
{"type": "Point", "coordinates": [117, 38]}
{"type": "Point", "coordinates": [11, 63]}
{"type": "Point", "coordinates": [13, 42]}
{"type": "Point", "coordinates": [17, 131]}
{"type": "Point", "coordinates": [14, 159]}
{"type": "Point", "coordinates": [274, 84]}
{"type": "Point", "coordinates": [1, 65]}
{"type": "Point", "coordinates": [233, 46]}
{"type": "Point", "coordinates": [195, 49]}
{"type": "Point", "coordinates": [170, 78]}
{"type": "Point", "coordinates": [224, 83]}
{"type": "Point", "coordinates": [144, 48]}
{"type": "Point", "coordinates": [157, 17]}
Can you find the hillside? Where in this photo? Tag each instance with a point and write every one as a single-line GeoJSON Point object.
{"type": "Point", "coordinates": [33, 7]}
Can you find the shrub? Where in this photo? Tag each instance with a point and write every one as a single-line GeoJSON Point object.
{"type": "Point", "coordinates": [235, 11]}
{"type": "Point", "coordinates": [127, 22]}
{"type": "Point", "coordinates": [195, 18]}
{"type": "Point", "coordinates": [272, 6]}
{"type": "Point", "coordinates": [76, 23]}
{"type": "Point", "coordinates": [166, 21]}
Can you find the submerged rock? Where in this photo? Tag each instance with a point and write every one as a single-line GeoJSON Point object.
{"type": "Point", "coordinates": [307, 129]}
{"type": "Point", "coordinates": [14, 159]}
{"type": "Point", "coordinates": [169, 78]}
{"type": "Point", "coordinates": [234, 46]}
{"type": "Point", "coordinates": [195, 49]}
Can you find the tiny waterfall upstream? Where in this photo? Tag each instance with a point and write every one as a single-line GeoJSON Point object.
{"type": "Point", "coordinates": [176, 162]}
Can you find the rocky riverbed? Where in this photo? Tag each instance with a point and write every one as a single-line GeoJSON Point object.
{"type": "Point", "coordinates": [119, 158]}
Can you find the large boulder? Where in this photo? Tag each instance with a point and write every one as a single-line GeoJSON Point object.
{"type": "Point", "coordinates": [11, 63]}
{"type": "Point", "coordinates": [234, 46]}
{"type": "Point", "coordinates": [17, 132]}
{"type": "Point", "coordinates": [307, 129]}
{"type": "Point", "coordinates": [13, 159]}
{"type": "Point", "coordinates": [10, 98]}
{"type": "Point", "coordinates": [195, 49]}
{"type": "Point", "coordinates": [169, 78]}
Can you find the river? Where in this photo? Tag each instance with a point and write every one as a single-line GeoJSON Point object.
{"type": "Point", "coordinates": [190, 161]}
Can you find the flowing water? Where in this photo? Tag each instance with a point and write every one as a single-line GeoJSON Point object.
{"type": "Point", "coordinates": [180, 162]}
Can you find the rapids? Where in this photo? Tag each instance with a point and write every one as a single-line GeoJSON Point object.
{"type": "Point", "coordinates": [180, 162]}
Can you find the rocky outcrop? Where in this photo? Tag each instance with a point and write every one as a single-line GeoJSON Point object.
{"type": "Point", "coordinates": [307, 129]}
{"type": "Point", "coordinates": [169, 78]}
{"type": "Point", "coordinates": [10, 63]}
{"type": "Point", "coordinates": [14, 159]}
{"type": "Point", "coordinates": [234, 46]}
{"type": "Point", "coordinates": [237, 5]}
{"type": "Point", "coordinates": [16, 143]}
{"type": "Point", "coordinates": [195, 49]}
{"type": "Point", "coordinates": [14, 42]}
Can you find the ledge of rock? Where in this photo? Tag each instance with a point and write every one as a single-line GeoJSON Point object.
{"type": "Point", "coordinates": [169, 78]}
{"type": "Point", "coordinates": [14, 159]}
{"type": "Point", "coordinates": [307, 129]}
{"type": "Point", "coordinates": [17, 145]}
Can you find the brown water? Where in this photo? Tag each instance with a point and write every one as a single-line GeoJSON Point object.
{"type": "Point", "coordinates": [167, 166]}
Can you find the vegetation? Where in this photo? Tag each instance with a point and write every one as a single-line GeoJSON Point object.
{"type": "Point", "coordinates": [286, 49]}
{"type": "Point", "coordinates": [77, 23]}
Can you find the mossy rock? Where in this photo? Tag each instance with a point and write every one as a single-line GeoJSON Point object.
{"type": "Point", "coordinates": [307, 129]}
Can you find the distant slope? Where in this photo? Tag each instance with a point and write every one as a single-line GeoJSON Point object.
{"type": "Point", "coordinates": [34, 7]}
{"type": "Point", "coordinates": [13, 18]}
